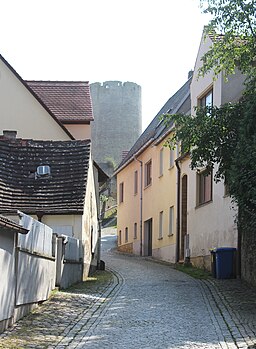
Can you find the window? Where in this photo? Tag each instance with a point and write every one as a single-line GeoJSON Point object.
{"type": "Point", "coordinates": [63, 229]}
{"type": "Point", "coordinates": [171, 158]}
{"type": "Point", "coordinates": [161, 222]}
{"type": "Point", "coordinates": [135, 182]}
{"type": "Point", "coordinates": [178, 150]}
{"type": "Point", "coordinates": [126, 235]}
{"type": "Point", "coordinates": [226, 189]}
{"type": "Point", "coordinates": [148, 173]}
{"type": "Point", "coordinates": [121, 192]}
{"type": "Point", "coordinates": [171, 220]}
{"type": "Point", "coordinates": [161, 162]}
{"type": "Point", "coordinates": [135, 235]}
{"type": "Point", "coordinates": [120, 237]}
{"type": "Point", "coordinates": [206, 100]}
{"type": "Point", "coordinates": [204, 182]}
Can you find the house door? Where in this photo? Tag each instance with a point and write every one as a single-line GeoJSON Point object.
{"type": "Point", "coordinates": [184, 213]}
{"type": "Point", "coordinates": [148, 237]}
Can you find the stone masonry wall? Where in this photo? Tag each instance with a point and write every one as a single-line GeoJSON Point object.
{"type": "Point", "coordinates": [248, 267]}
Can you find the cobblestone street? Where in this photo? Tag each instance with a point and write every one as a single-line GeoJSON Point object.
{"type": "Point", "coordinates": [139, 304]}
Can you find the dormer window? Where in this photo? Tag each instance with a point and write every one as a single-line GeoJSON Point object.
{"type": "Point", "coordinates": [43, 171]}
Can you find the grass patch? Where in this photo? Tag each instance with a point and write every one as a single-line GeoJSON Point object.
{"type": "Point", "coordinates": [99, 280]}
{"type": "Point", "coordinates": [193, 271]}
{"type": "Point", "coordinates": [110, 213]}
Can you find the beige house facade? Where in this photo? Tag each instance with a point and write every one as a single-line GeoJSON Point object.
{"type": "Point", "coordinates": [207, 215]}
{"type": "Point", "coordinates": [23, 112]}
{"type": "Point", "coordinates": [146, 188]}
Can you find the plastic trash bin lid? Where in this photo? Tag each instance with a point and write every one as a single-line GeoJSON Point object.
{"type": "Point", "coordinates": [225, 249]}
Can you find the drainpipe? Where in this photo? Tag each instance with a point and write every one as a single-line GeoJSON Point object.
{"type": "Point", "coordinates": [177, 257]}
{"type": "Point", "coordinates": [141, 200]}
{"type": "Point", "coordinates": [99, 244]}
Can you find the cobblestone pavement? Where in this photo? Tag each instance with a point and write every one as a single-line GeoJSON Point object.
{"type": "Point", "coordinates": [141, 304]}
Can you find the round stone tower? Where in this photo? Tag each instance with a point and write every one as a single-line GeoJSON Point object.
{"type": "Point", "coordinates": [117, 120]}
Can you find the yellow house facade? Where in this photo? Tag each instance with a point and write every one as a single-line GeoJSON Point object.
{"type": "Point", "coordinates": [146, 188]}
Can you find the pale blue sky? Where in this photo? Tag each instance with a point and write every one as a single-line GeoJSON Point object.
{"type": "Point", "coordinates": [150, 42]}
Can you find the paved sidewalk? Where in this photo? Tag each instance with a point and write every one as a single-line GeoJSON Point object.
{"type": "Point", "coordinates": [140, 304]}
{"type": "Point", "coordinates": [59, 320]}
{"type": "Point", "coordinates": [236, 302]}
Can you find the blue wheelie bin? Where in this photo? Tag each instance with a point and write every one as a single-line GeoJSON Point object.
{"type": "Point", "coordinates": [225, 262]}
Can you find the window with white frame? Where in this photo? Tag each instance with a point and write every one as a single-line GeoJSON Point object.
{"type": "Point", "coordinates": [207, 99]}
{"type": "Point", "coordinates": [161, 162]}
{"type": "Point", "coordinates": [161, 224]}
{"type": "Point", "coordinates": [148, 173]}
{"type": "Point", "coordinates": [135, 233]}
{"type": "Point", "coordinates": [171, 164]}
{"type": "Point", "coordinates": [178, 150]}
{"type": "Point", "coordinates": [171, 220]}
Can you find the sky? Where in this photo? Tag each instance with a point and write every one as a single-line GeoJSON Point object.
{"type": "Point", "coordinates": [153, 43]}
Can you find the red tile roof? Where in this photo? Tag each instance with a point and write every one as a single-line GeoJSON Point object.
{"type": "Point", "coordinates": [69, 101]}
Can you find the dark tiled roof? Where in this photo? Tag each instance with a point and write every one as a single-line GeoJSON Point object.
{"type": "Point", "coordinates": [69, 101]}
{"type": "Point", "coordinates": [62, 192]}
{"type": "Point", "coordinates": [13, 226]}
{"type": "Point", "coordinates": [177, 103]}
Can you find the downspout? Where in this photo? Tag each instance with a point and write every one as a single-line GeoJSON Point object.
{"type": "Point", "coordinates": [141, 200]}
{"type": "Point", "coordinates": [177, 257]}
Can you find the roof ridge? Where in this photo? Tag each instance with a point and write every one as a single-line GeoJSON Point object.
{"type": "Point", "coordinates": [59, 81]}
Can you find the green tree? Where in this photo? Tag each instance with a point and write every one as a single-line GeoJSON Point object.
{"type": "Point", "coordinates": [233, 29]}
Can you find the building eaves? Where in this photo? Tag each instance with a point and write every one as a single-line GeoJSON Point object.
{"type": "Point", "coordinates": [11, 225]}
{"type": "Point", "coordinates": [35, 96]}
{"type": "Point", "coordinates": [103, 176]}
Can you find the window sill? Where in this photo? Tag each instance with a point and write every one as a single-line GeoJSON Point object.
{"type": "Point", "coordinates": [161, 175]}
{"type": "Point", "coordinates": [147, 186]}
{"type": "Point", "coordinates": [169, 235]}
{"type": "Point", "coordinates": [204, 204]}
{"type": "Point", "coordinates": [171, 167]}
{"type": "Point", "coordinates": [160, 238]}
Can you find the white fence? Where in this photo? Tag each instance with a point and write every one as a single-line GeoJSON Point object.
{"type": "Point", "coordinates": [39, 238]}
{"type": "Point", "coordinates": [69, 261]}
{"type": "Point", "coordinates": [32, 265]}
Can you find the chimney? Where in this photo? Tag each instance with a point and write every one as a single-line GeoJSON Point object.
{"type": "Point", "coordinates": [190, 74]}
{"type": "Point", "coordinates": [10, 134]}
